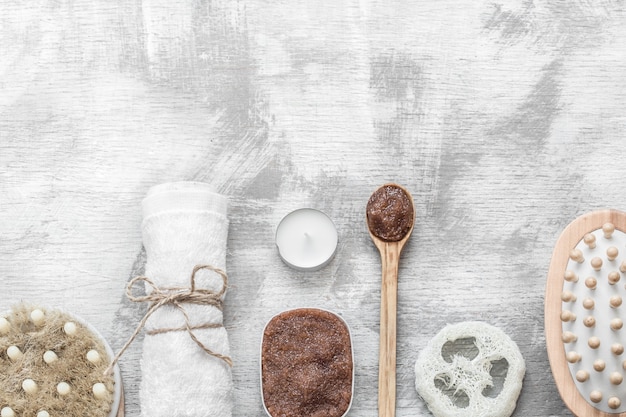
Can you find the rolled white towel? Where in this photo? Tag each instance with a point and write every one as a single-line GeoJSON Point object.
{"type": "Point", "coordinates": [185, 224]}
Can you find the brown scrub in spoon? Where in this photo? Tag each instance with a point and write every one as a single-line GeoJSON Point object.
{"type": "Point", "coordinates": [390, 213]}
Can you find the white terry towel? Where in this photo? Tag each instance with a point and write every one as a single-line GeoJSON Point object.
{"type": "Point", "coordinates": [185, 224]}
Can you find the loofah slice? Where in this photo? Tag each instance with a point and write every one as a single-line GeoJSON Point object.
{"type": "Point", "coordinates": [443, 378]}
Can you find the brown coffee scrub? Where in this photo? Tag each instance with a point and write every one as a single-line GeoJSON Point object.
{"type": "Point", "coordinates": [390, 213]}
{"type": "Point", "coordinates": [306, 364]}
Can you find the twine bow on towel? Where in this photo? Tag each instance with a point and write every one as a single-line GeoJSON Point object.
{"type": "Point", "coordinates": [176, 296]}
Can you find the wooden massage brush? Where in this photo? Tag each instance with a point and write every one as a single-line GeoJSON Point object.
{"type": "Point", "coordinates": [584, 314]}
{"type": "Point", "coordinates": [53, 364]}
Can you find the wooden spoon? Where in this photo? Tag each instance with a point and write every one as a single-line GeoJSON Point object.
{"type": "Point", "coordinates": [390, 218]}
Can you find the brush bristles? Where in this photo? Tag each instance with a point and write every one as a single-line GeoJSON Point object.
{"type": "Point", "coordinates": [594, 345]}
{"type": "Point", "coordinates": [43, 366]}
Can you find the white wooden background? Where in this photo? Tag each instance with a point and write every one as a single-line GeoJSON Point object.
{"type": "Point", "coordinates": [504, 118]}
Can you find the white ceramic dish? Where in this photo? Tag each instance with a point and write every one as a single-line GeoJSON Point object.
{"type": "Point", "coordinates": [351, 353]}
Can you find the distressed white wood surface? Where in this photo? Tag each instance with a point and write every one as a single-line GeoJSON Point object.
{"type": "Point", "coordinates": [504, 119]}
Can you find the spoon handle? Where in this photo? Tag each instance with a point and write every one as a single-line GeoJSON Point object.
{"type": "Point", "coordinates": [390, 255]}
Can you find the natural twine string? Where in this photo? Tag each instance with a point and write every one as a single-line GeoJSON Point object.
{"type": "Point", "coordinates": [176, 296]}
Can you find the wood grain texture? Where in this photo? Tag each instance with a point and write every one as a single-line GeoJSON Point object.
{"type": "Point", "coordinates": [505, 120]}
{"type": "Point", "coordinates": [390, 258]}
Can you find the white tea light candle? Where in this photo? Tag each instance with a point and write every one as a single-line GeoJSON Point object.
{"type": "Point", "coordinates": [306, 239]}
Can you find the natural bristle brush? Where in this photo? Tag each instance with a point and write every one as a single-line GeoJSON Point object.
{"type": "Point", "coordinates": [584, 313]}
{"type": "Point", "coordinates": [54, 364]}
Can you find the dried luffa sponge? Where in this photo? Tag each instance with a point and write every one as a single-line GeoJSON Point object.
{"type": "Point", "coordinates": [470, 369]}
